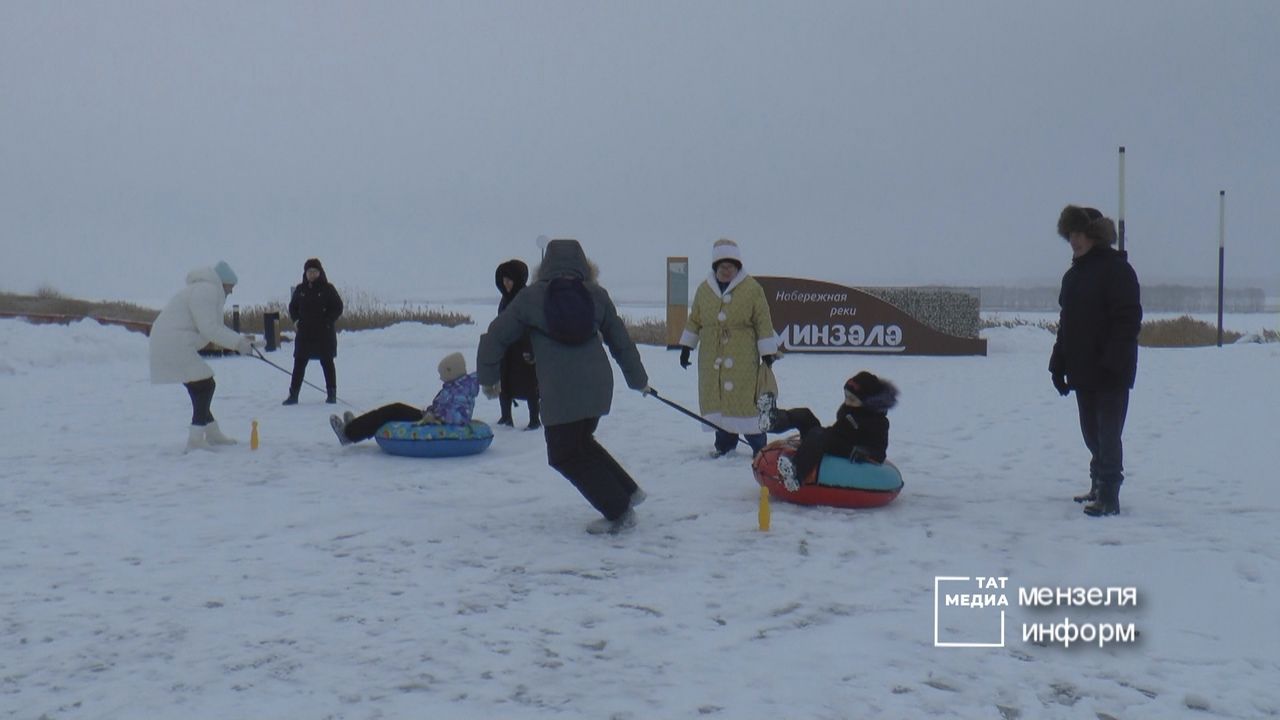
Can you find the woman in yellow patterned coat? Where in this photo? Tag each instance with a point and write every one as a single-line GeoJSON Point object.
{"type": "Point", "coordinates": [730, 324]}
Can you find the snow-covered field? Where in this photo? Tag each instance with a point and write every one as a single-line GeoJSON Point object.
{"type": "Point", "coordinates": [307, 580]}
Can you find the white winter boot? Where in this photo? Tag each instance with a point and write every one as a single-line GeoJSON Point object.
{"type": "Point", "coordinates": [215, 436]}
{"type": "Point", "coordinates": [196, 439]}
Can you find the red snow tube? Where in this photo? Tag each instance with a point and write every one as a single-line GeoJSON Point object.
{"type": "Point", "coordinates": [836, 482]}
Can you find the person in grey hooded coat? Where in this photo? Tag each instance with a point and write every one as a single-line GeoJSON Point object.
{"type": "Point", "coordinates": [570, 319]}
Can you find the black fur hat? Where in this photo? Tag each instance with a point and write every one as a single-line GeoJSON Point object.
{"type": "Point", "coordinates": [314, 264]}
{"type": "Point", "coordinates": [1087, 220]}
{"type": "Point", "coordinates": [874, 392]}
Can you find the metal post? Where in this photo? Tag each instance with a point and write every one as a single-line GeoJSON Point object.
{"type": "Point", "coordinates": [1222, 252]}
{"type": "Point", "coordinates": [269, 328]}
{"type": "Point", "coordinates": [1120, 217]}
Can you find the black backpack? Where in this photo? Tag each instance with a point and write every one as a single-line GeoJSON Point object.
{"type": "Point", "coordinates": [569, 311]}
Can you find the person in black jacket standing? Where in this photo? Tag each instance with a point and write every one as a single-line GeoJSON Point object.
{"type": "Point", "coordinates": [314, 308]}
{"type": "Point", "coordinates": [1096, 352]}
{"type": "Point", "coordinates": [519, 375]}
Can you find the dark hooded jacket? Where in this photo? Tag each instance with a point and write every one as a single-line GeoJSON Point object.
{"type": "Point", "coordinates": [314, 308]}
{"type": "Point", "coordinates": [1097, 345]}
{"type": "Point", "coordinates": [575, 379]}
{"type": "Point", "coordinates": [857, 428]}
{"type": "Point", "coordinates": [519, 378]}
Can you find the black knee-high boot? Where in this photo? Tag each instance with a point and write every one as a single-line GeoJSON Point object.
{"type": "Point", "coordinates": [330, 380]}
{"type": "Point", "coordinates": [295, 382]}
{"type": "Point", "coordinates": [535, 421]}
{"type": "Point", "coordinates": [504, 402]}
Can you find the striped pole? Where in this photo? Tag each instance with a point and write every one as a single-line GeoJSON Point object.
{"type": "Point", "coordinates": [1120, 217]}
{"type": "Point", "coordinates": [1222, 251]}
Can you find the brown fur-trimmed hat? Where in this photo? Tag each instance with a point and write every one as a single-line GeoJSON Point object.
{"type": "Point", "coordinates": [874, 392]}
{"type": "Point", "coordinates": [1087, 220]}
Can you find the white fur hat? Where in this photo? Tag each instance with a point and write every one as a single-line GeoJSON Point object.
{"type": "Point", "coordinates": [452, 367]}
{"type": "Point", "coordinates": [725, 249]}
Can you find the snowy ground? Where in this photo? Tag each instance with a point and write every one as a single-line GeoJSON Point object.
{"type": "Point", "coordinates": [307, 580]}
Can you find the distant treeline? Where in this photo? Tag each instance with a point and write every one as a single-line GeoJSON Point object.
{"type": "Point", "coordinates": [1155, 298]}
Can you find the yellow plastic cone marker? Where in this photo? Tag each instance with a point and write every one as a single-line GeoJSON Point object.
{"type": "Point", "coordinates": [764, 509]}
{"type": "Point", "coordinates": [253, 436]}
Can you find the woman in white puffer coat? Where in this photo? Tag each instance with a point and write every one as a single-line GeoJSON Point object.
{"type": "Point", "coordinates": [191, 320]}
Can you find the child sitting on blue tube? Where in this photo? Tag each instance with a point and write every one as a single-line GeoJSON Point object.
{"type": "Point", "coordinates": [453, 405]}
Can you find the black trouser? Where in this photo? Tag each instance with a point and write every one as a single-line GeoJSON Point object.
{"type": "Point", "coordinates": [1102, 414]}
{"type": "Point", "coordinates": [201, 392]}
{"type": "Point", "coordinates": [726, 441]}
{"type": "Point", "coordinates": [573, 451]}
{"type": "Point", "coordinates": [363, 427]}
{"type": "Point", "coordinates": [300, 372]}
{"type": "Point", "coordinates": [809, 454]}
{"type": "Point", "coordinates": [506, 400]}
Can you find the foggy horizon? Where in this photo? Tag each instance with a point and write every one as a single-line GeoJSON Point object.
{"type": "Point", "coordinates": [414, 146]}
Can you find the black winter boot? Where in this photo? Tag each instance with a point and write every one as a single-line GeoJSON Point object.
{"type": "Point", "coordinates": [1089, 496]}
{"type": "Point", "coordinates": [535, 421]}
{"type": "Point", "coordinates": [1107, 502]}
{"type": "Point", "coordinates": [332, 396]}
{"type": "Point", "coordinates": [291, 400]}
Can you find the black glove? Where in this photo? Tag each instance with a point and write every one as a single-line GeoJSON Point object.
{"type": "Point", "coordinates": [684, 356]}
{"type": "Point", "coordinates": [768, 359]}
{"type": "Point", "coordinates": [1060, 384]}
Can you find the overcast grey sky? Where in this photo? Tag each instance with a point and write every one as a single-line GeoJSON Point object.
{"type": "Point", "coordinates": [413, 146]}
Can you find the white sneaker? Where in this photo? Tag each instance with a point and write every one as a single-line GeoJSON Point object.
{"type": "Point", "coordinates": [347, 417]}
{"type": "Point", "coordinates": [638, 497]}
{"type": "Point", "coordinates": [766, 404]}
{"type": "Point", "coordinates": [214, 435]}
{"type": "Point", "coordinates": [787, 470]}
{"type": "Point", "coordinates": [339, 429]}
{"type": "Point", "coordinates": [196, 440]}
{"type": "Point", "coordinates": [612, 527]}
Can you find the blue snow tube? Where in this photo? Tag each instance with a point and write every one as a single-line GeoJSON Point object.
{"type": "Point", "coordinates": [413, 440]}
{"type": "Point", "coordinates": [842, 473]}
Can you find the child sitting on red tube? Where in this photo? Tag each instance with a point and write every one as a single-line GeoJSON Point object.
{"type": "Point", "coordinates": [860, 432]}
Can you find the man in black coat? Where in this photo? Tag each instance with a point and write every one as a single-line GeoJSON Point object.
{"type": "Point", "coordinates": [314, 308]}
{"type": "Point", "coordinates": [1096, 353]}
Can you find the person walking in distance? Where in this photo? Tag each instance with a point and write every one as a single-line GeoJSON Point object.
{"type": "Point", "coordinates": [314, 307]}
